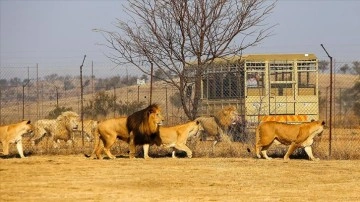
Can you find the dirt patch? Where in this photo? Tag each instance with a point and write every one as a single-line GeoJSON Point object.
{"type": "Point", "coordinates": [73, 177]}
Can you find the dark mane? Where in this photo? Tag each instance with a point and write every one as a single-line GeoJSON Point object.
{"type": "Point", "coordinates": [143, 129]}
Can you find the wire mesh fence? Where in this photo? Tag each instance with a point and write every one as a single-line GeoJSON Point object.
{"type": "Point", "coordinates": [27, 93]}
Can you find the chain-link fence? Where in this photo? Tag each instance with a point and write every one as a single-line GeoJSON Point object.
{"type": "Point", "coordinates": [27, 93]}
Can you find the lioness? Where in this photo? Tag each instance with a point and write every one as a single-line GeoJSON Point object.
{"type": "Point", "coordinates": [176, 137]}
{"type": "Point", "coordinates": [13, 134]}
{"type": "Point", "coordinates": [295, 135]}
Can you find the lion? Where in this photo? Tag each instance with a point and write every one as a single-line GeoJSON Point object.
{"type": "Point", "coordinates": [12, 133]}
{"type": "Point", "coordinates": [217, 126]}
{"type": "Point", "coordinates": [175, 137]}
{"type": "Point", "coordinates": [295, 135]}
{"type": "Point", "coordinates": [60, 128]}
{"type": "Point", "coordinates": [141, 127]}
{"type": "Point", "coordinates": [107, 132]}
{"type": "Point", "coordinates": [90, 127]}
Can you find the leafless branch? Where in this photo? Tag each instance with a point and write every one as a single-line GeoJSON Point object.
{"type": "Point", "coordinates": [174, 34]}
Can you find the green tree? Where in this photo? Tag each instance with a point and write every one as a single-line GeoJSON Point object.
{"type": "Point", "coordinates": [127, 108]}
{"type": "Point", "coordinates": [113, 82]}
{"type": "Point", "coordinates": [53, 114]}
{"type": "Point", "coordinates": [356, 67]}
{"type": "Point", "coordinates": [129, 80]}
{"type": "Point", "coordinates": [15, 81]}
{"type": "Point", "coordinates": [350, 99]}
{"type": "Point", "coordinates": [68, 85]}
{"type": "Point", "coordinates": [102, 104]}
{"type": "Point", "coordinates": [159, 75]}
{"type": "Point", "coordinates": [3, 82]}
{"type": "Point", "coordinates": [344, 68]}
{"type": "Point", "coordinates": [144, 76]}
{"type": "Point", "coordinates": [51, 77]}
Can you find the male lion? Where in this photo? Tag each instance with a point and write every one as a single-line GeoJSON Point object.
{"type": "Point", "coordinates": [90, 127]}
{"type": "Point", "coordinates": [295, 135]}
{"type": "Point", "coordinates": [107, 132]}
{"type": "Point", "coordinates": [141, 127]}
{"type": "Point", "coordinates": [218, 125]}
{"type": "Point", "coordinates": [60, 128]}
{"type": "Point", "coordinates": [176, 137]}
{"type": "Point", "coordinates": [13, 134]}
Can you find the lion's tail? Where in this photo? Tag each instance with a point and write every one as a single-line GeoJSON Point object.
{"type": "Point", "coordinates": [257, 138]}
{"type": "Point", "coordinates": [257, 135]}
{"type": "Point", "coordinates": [96, 143]}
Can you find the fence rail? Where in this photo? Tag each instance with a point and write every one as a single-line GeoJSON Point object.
{"type": "Point", "coordinates": [35, 96]}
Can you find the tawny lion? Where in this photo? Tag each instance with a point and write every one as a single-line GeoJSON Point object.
{"type": "Point", "coordinates": [295, 135]}
{"type": "Point", "coordinates": [218, 125]}
{"type": "Point", "coordinates": [175, 137]}
{"type": "Point", "coordinates": [12, 133]}
{"type": "Point", "coordinates": [141, 127]}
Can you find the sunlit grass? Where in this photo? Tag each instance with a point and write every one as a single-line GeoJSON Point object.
{"type": "Point", "coordinates": [344, 146]}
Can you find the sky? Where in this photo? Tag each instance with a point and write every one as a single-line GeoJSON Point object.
{"type": "Point", "coordinates": [55, 35]}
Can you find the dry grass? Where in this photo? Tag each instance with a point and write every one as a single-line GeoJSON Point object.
{"type": "Point", "coordinates": [75, 178]}
{"type": "Point", "coordinates": [340, 80]}
{"type": "Point", "coordinates": [344, 145]}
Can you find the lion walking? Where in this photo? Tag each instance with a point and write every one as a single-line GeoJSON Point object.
{"type": "Point", "coordinates": [217, 126]}
{"type": "Point", "coordinates": [295, 135]}
{"type": "Point", "coordinates": [141, 127]}
{"type": "Point", "coordinates": [60, 128]}
{"type": "Point", "coordinates": [13, 133]}
{"type": "Point", "coordinates": [175, 137]}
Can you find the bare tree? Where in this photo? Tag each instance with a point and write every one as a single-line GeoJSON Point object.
{"type": "Point", "coordinates": [171, 35]}
{"type": "Point", "coordinates": [356, 67]}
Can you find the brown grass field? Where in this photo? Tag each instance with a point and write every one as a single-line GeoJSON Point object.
{"type": "Point", "coordinates": [76, 178]}
{"type": "Point", "coordinates": [227, 173]}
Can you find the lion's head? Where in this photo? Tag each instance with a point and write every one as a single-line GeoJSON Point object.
{"type": "Point", "coordinates": [152, 119]}
{"type": "Point", "coordinates": [227, 116]}
{"type": "Point", "coordinates": [29, 128]}
{"type": "Point", "coordinates": [144, 124]}
{"type": "Point", "coordinates": [69, 119]}
{"type": "Point", "coordinates": [25, 127]}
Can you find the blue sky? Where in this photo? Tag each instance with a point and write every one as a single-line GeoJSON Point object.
{"type": "Point", "coordinates": [57, 34]}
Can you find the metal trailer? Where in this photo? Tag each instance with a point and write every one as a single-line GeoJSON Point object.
{"type": "Point", "coordinates": [263, 87]}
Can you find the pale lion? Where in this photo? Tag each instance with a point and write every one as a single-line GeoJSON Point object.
{"type": "Point", "coordinates": [217, 126]}
{"type": "Point", "coordinates": [295, 135]}
{"type": "Point", "coordinates": [90, 127]}
{"type": "Point", "coordinates": [175, 137]}
{"type": "Point", "coordinates": [12, 133]}
{"type": "Point", "coordinates": [60, 128]}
